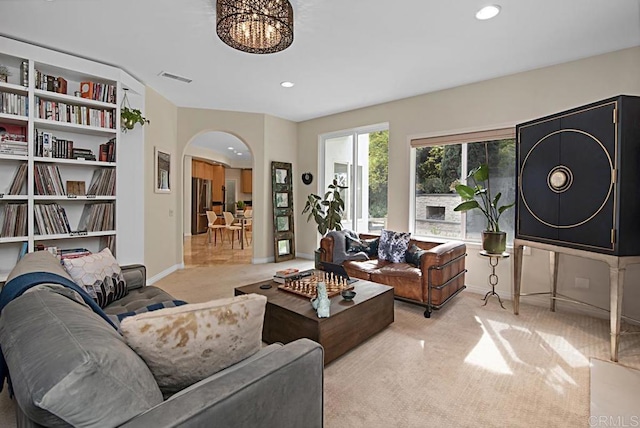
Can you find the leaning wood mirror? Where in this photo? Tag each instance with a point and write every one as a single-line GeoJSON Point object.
{"type": "Point", "coordinates": [283, 232]}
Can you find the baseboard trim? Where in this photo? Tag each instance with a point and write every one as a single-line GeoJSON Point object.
{"type": "Point", "coordinates": [305, 256]}
{"type": "Point", "coordinates": [262, 260]}
{"type": "Point", "coordinates": [166, 272]}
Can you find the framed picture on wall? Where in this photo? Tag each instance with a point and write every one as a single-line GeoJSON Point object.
{"type": "Point", "coordinates": [162, 169]}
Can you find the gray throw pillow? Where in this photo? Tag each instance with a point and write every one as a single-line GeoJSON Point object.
{"type": "Point", "coordinates": [393, 246]}
{"type": "Point", "coordinates": [414, 254]}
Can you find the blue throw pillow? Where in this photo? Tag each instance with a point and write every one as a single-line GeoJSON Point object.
{"type": "Point", "coordinates": [393, 246]}
{"type": "Point", "coordinates": [414, 254]}
{"type": "Point", "coordinates": [368, 246]}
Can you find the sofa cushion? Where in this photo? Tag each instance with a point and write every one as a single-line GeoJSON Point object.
{"type": "Point", "coordinates": [185, 344]}
{"type": "Point", "coordinates": [405, 279]}
{"type": "Point", "coordinates": [100, 275]}
{"type": "Point", "coordinates": [393, 246]}
{"type": "Point", "coordinates": [138, 298]}
{"type": "Point", "coordinates": [69, 367]}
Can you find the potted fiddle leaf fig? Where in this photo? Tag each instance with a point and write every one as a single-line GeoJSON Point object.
{"type": "Point", "coordinates": [130, 116]}
{"type": "Point", "coordinates": [327, 212]}
{"type": "Point", "coordinates": [476, 196]}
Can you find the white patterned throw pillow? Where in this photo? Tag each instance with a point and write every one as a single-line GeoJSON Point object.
{"type": "Point", "coordinates": [99, 275]}
{"type": "Point", "coordinates": [393, 246]}
{"type": "Point", "coordinates": [188, 343]}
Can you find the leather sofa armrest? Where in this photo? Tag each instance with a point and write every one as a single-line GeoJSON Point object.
{"type": "Point", "coordinates": [442, 254]}
{"type": "Point", "coordinates": [326, 248]}
{"type": "Point", "coordinates": [135, 276]}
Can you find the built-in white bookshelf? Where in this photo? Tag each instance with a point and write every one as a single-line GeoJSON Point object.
{"type": "Point", "coordinates": [65, 124]}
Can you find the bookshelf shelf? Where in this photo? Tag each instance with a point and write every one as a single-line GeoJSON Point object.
{"type": "Point", "coordinates": [74, 235]}
{"type": "Point", "coordinates": [66, 198]}
{"type": "Point", "coordinates": [22, 158]}
{"type": "Point", "coordinates": [13, 89]}
{"type": "Point", "coordinates": [72, 127]}
{"type": "Point", "coordinates": [14, 239]}
{"type": "Point", "coordinates": [13, 119]}
{"type": "Point", "coordinates": [13, 198]}
{"type": "Point", "coordinates": [70, 99]}
{"type": "Point", "coordinates": [78, 162]}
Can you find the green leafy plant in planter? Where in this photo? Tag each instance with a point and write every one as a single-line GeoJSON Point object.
{"type": "Point", "coordinates": [130, 116]}
{"type": "Point", "coordinates": [327, 212]}
{"type": "Point", "coordinates": [240, 205]}
{"type": "Point", "coordinates": [479, 197]}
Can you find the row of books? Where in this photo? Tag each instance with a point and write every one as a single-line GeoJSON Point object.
{"type": "Point", "coordinates": [13, 147]}
{"type": "Point", "coordinates": [108, 151]}
{"type": "Point", "coordinates": [80, 115]}
{"type": "Point", "coordinates": [15, 220]}
{"type": "Point", "coordinates": [98, 91]}
{"type": "Point", "coordinates": [13, 104]}
{"type": "Point", "coordinates": [97, 217]}
{"type": "Point", "coordinates": [51, 219]}
{"type": "Point", "coordinates": [48, 180]}
{"type": "Point", "coordinates": [19, 180]}
{"type": "Point", "coordinates": [103, 182]}
{"type": "Point", "coordinates": [282, 276]}
{"type": "Point", "coordinates": [46, 145]}
{"type": "Point", "coordinates": [50, 83]}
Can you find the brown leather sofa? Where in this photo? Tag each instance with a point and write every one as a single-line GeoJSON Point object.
{"type": "Point", "coordinates": [438, 279]}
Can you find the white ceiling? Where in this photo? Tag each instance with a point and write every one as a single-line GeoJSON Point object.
{"type": "Point", "coordinates": [346, 53]}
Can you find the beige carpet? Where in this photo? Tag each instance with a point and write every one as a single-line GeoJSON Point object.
{"type": "Point", "coordinates": [467, 366]}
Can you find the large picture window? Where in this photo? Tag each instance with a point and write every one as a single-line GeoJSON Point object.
{"type": "Point", "coordinates": [358, 159]}
{"type": "Point", "coordinates": [443, 162]}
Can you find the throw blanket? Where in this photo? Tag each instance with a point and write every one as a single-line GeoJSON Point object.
{"type": "Point", "coordinates": [18, 285]}
{"type": "Point", "coordinates": [340, 253]}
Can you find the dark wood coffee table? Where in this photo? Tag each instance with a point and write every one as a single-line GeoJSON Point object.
{"type": "Point", "coordinates": [289, 317]}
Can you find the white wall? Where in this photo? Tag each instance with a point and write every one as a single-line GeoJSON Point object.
{"type": "Point", "coordinates": [495, 103]}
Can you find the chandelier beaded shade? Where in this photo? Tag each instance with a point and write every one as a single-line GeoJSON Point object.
{"type": "Point", "coordinates": [255, 26]}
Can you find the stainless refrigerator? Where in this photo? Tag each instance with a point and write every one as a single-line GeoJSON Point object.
{"type": "Point", "coordinates": [200, 204]}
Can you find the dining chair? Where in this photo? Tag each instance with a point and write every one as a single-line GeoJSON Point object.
{"type": "Point", "coordinates": [212, 226]}
{"type": "Point", "coordinates": [231, 228]}
{"type": "Point", "coordinates": [248, 225]}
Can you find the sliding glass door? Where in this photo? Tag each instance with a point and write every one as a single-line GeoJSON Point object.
{"type": "Point", "coordinates": [358, 159]}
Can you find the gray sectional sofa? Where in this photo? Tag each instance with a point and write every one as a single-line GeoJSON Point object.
{"type": "Point", "coordinates": [69, 367]}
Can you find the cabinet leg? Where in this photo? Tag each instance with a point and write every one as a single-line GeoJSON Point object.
{"type": "Point", "coordinates": [616, 278]}
{"type": "Point", "coordinates": [517, 276]}
{"type": "Point", "coordinates": [553, 266]}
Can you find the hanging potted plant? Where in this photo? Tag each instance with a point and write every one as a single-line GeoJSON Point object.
{"type": "Point", "coordinates": [326, 211]}
{"type": "Point", "coordinates": [130, 116]}
{"type": "Point", "coordinates": [479, 197]}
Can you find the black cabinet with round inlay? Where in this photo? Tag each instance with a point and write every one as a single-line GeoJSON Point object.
{"type": "Point", "coordinates": [578, 178]}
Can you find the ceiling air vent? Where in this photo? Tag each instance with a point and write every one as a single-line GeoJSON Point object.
{"type": "Point", "coordinates": [175, 77]}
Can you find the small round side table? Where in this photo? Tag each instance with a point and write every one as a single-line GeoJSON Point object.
{"type": "Point", "coordinates": [493, 277]}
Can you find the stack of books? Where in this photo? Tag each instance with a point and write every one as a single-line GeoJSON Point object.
{"type": "Point", "coordinates": [285, 275]}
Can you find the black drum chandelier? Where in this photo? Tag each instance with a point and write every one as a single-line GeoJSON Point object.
{"type": "Point", "coordinates": [255, 26]}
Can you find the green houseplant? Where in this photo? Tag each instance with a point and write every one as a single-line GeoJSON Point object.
{"type": "Point", "coordinates": [130, 116]}
{"type": "Point", "coordinates": [327, 212]}
{"type": "Point", "coordinates": [479, 197]}
{"type": "Point", "coordinates": [240, 205]}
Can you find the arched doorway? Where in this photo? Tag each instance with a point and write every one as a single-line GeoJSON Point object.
{"type": "Point", "coordinates": [217, 172]}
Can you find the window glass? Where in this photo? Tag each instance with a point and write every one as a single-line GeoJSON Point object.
{"type": "Point", "coordinates": [438, 170]}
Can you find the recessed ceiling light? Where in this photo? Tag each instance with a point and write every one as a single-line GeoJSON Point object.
{"type": "Point", "coordinates": [239, 154]}
{"type": "Point", "coordinates": [488, 12]}
{"type": "Point", "coordinates": [230, 148]}
{"type": "Point", "coordinates": [287, 84]}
